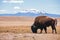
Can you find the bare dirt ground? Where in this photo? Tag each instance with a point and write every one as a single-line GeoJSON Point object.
{"type": "Point", "coordinates": [19, 28]}
{"type": "Point", "coordinates": [28, 36]}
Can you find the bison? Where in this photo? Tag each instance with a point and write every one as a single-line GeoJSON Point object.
{"type": "Point", "coordinates": [42, 22]}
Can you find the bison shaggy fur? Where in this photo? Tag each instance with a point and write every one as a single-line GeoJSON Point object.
{"type": "Point", "coordinates": [42, 22]}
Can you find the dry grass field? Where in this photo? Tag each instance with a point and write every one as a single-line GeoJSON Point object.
{"type": "Point", "coordinates": [19, 28]}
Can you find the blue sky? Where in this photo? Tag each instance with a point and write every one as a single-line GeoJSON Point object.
{"type": "Point", "coordinates": [13, 6]}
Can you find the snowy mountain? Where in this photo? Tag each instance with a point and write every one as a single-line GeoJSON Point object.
{"type": "Point", "coordinates": [31, 13]}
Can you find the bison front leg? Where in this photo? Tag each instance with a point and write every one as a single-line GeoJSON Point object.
{"type": "Point", "coordinates": [41, 30]}
{"type": "Point", "coordinates": [45, 29]}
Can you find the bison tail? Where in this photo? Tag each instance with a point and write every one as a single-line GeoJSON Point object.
{"type": "Point", "coordinates": [55, 22]}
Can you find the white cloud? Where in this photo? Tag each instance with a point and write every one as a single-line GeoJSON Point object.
{"type": "Point", "coordinates": [16, 7]}
{"type": "Point", "coordinates": [24, 11]}
{"type": "Point", "coordinates": [30, 10]}
{"type": "Point", "coordinates": [3, 11]}
{"type": "Point", "coordinates": [33, 10]}
{"type": "Point", "coordinates": [13, 1]}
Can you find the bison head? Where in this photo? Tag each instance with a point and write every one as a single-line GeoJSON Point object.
{"type": "Point", "coordinates": [34, 29]}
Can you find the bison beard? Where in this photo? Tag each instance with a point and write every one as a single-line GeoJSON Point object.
{"type": "Point", "coordinates": [42, 22]}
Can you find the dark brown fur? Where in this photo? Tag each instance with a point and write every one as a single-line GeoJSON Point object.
{"type": "Point", "coordinates": [42, 22]}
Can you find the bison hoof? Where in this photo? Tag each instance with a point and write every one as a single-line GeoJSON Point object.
{"type": "Point", "coordinates": [40, 32]}
{"type": "Point", "coordinates": [55, 32]}
{"type": "Point", "coordinates": [45, 32]}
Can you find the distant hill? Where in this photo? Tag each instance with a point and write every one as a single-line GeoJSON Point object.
{"type": "Point", "coordinates": [30, 14]}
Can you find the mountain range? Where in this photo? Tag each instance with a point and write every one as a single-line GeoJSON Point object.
{"type": "Point", "coordinates": [31, 14]}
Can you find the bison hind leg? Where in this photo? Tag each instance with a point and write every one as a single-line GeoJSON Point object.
{"type": "Point", "coordinates": [54, 29]}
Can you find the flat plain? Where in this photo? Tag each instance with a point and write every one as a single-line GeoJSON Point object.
{"type": "Point", "coordinates": [19, 28]}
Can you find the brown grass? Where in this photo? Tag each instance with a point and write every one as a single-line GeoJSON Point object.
{"type": "Point", "coordinates": [19, 28]}
{"type": "Point", "coordinates": [24, 29]}
{"type": "Point", "coordinates": [16, 29]}
{"type": "Point", "coordinates": [20, 25]}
